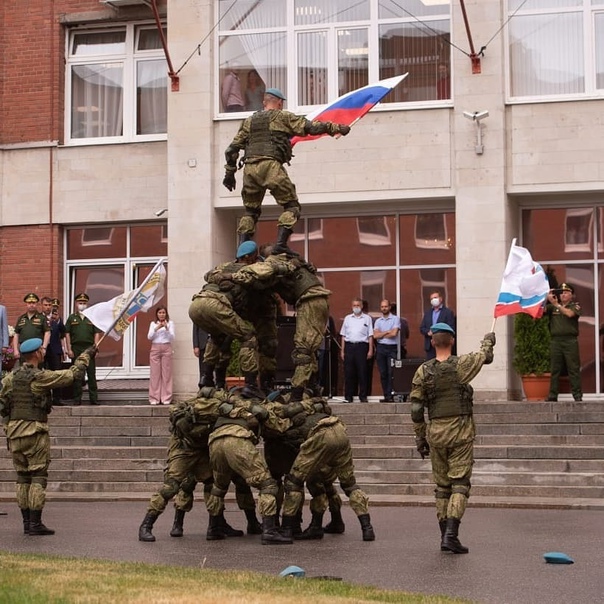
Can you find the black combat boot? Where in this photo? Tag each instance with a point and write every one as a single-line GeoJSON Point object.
{"type": "Point", "coordinates": [220, 377]}
{"type": "Point", "coordinates": [25, 514]}
{"type": "Point", "coordinates": [270, 532]}
{"type": "Point", "coordinates": [36, 527]}
{"type": "Point", "coordinates": [144, 530]}
{"type": "Point", "coordinates": [280, 247]}
{"type": "Point", "coordinates": [336, 526]}
{"type": "Point", "coordinates": [287, 526]}
{"type": "Point", "coordinates": [215, 530]}
{"type": "Point", "coordinates": [443, 527]}
{"type": "Point", "coordinates": [253, 525]}
{"type": "Point", "coordinates": [297, 394]}
{"type": "Point", "coordinates": [267, 381]}
{"type": "Point", "coordinates": [368, 534]}
{"type": "Point", "coordinates": [450, 542]}
{"type": "Point", "coordinates": [207, 376]}
{"type": "Point", "coordinates": [227, 529]}
{"type": "Point", "coordinates": [314, 530]}
{"type": "Point", "coordinates": [179, 518]}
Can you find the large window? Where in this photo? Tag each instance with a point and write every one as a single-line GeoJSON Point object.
{"type": "Point", "coordinates": [556, 48]}
{"type": "Point", "coordinates": [116, 85]}
{"type": "Point", "coordinates": [316, 51]}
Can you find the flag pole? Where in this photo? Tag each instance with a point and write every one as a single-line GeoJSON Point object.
{"type": "Point", "coordinates": [134, 296]}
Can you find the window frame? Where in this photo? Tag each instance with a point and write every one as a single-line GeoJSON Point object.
{"type": "Point", "coordinates": [292, 31]}
{"type": "Point", "coordinates": [129, 60]}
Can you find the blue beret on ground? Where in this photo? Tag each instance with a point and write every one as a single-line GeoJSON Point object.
{"type": "Point", "coordinates": [292, 571]}
{"type": "Point", "coordinates": [246, 248]}
{"type": "Point", "coordinates": [276, 92]}
{"type": "Point", "coordinates": [557, 558]}
{"type": "Point", "coordinates": [30, 345]}
{"type": "Point", "coordinates": [442, 327]}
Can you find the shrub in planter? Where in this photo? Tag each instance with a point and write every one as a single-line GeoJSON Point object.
{"type": "Point", "coordinates": [531, 345]}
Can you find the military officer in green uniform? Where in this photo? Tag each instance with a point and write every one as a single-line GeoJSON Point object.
{"type": "Point", "coordinates": [564, 315]}
{"type": "Point", "coordinates": [81, 333]}
{"type": "Point", "coordinates": [25, 403]}
{"type": "Point", "coordinates": [443, 386]}
{"type": "Point", "coordinates": [31, 324]}
{"type": "Point", "coordinates": [265, 138]}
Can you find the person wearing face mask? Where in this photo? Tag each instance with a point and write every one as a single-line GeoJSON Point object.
{"type": "Point", "coordinates": [357, 348]}
{"type": "Point", "coordinates": [437, 313]}
{"type": "Point", "coordinates": [80, 334]}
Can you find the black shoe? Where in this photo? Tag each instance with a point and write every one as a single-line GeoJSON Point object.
{"type": "Point", "coordinates": [551, 399]}
{"type": "Point", "coordinates": [95, 403]}
{"type": "Point", "coordinates": [348, 400]}
{"type": "Point", "coordinates": [386, 400]}
{"type": "Point", "coordinates": [363, 399]}
{"type": "Point", "coordinates": [76, 403]}
{"type": "Point", "coordinates": [578, 399]}
{"type": "Point", "coordinates": [58, 404]}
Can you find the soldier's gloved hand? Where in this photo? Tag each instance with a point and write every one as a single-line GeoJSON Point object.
{"type": "Point", "coordinates": [206, 392]}
{"type": "Point", "coordinates": [225, 408]}
{"type": "Point", "coordinates": [322, 408]}
{"type": "Point", "coordinates": [229, 180]}
{"type": "Point", "coordinates": [292, 409]}
{"type": "Point", "coordinates": [91, 351]}
{"type": "Point", "coordinates": [252, 423]}
{"type": "Point", "coordinates": [490, 337]}
{"type": "Point", "coordinates": [344, 129]}
{"type": "Point", "coordinates": [259, 412]}
{"type": "Point", "coordinates": [423, 448]}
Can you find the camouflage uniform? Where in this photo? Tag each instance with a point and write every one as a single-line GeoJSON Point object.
{"type": "Point", "coordinates": [24, 405]}
{"type": "Point", "coordinates": [265, 137]}
{"type": "Point", "coordinates": [444, 388]}
{"type": "Point", "coordinates": [233, 451]}
{"type": "Point", "coordinates": [218, 309]}
{"type": "Point", "coordinates": [188, 463]}
{"type": "Point", "coordinates": [324, 455]}
{"type": "Point", "coordinates": [301, 288]}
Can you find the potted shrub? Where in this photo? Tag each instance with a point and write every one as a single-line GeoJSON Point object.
{"type": "Point", "coordinates": [234, 377]}
{"type": "Point", "coordinates": [532, 355]}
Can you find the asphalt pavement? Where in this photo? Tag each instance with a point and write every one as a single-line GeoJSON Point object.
{"type": "Point", "coordinates": [505, 564]}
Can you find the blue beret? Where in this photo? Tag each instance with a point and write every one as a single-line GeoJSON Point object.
{"type": "Point", "coordinates": [442, 327]}
{"type": "Point", "coordinates": [276, 92]}
{"type": "Point", "coordinates": [30, 345]}
{"type": "Point", "coordinates": [558, 558]}
{"type": "Point", "coordinates": [292, 571]}
{"type": "Point", "coordinates": [246, 248]}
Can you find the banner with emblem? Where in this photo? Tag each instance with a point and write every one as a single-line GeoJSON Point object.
{"type": "Point", "coordinates": [116, 315]}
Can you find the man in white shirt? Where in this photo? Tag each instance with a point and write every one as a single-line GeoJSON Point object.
{"type": "Point", "coordinates": [357, 347]}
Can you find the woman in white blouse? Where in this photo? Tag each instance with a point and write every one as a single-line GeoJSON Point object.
{"type": "Point", "coordinates": [161, 334]}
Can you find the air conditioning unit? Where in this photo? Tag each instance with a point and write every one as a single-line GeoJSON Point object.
{"type": "Point", "coordinates": [118, 3]}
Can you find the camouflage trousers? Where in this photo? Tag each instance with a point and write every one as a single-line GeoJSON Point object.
{"type": "Point", "coordinates": [451, 442]}
{"type": "Point", "coordinates": [324, 456]}
{"type": "Point", "coordinates": [258, 177]}
{"type": "Point", "coordinates": [31, 459]}
{"type": "Point", "coordinates": [216, 316]}
{"type": "Point", "coordinates": [311, 318]}
{"type": "Point", "coordinates": [231, 456]}
{"type": "Point", "coordinates": [185, 468]}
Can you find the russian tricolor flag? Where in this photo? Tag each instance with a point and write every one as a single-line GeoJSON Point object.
{"type": "Point", "coordinates": [352, 106]}
{"type": "Point", "coordinates": [524, 286]}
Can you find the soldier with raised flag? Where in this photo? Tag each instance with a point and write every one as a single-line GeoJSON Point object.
{"type": "Point", "coordinates": [265, 138]}
{"type": "Point", "coordinates": [443, 386]}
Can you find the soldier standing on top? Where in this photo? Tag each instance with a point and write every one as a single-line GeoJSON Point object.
{"type": "Point", "coordinates": [265, 138]}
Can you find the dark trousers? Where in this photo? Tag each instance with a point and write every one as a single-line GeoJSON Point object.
{"type": "Point", "coordinates": [385, 355]}
{"type": "Point", "coordinates": [52, 361]}
{"type": "Point", "coordinates": [565, 351]}
{"type": "Point", "coordinates": [93, 391]}
{"type": "Point", "coordinates": [355, 369]}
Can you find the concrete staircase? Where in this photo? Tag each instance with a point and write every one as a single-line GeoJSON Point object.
{"type": "Point", "coordinates": [546, 454]}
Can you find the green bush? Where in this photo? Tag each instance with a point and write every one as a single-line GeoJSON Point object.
{"type": "Point", "coordinates": [531, 345]}
{"type": "Point", "coordinates": [233, 369]}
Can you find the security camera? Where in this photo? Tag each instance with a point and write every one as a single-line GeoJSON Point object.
{"type": "Point", "coordinates": [476, 116]}
{"type": "Point", "coordinates": [161, 212]}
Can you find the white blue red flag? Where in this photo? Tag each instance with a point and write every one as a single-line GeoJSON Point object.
{"type": "Point", "coordinates": [524, 286]}
{"type": "Point", "coordinates": [352, 106]}
{"type": "Point", "coordinates": [115, 316]}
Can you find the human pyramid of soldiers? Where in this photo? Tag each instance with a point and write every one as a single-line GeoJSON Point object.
{"type": "Point", "coordinates": [214, 436]}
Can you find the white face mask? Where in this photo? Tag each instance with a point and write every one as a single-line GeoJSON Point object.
{"type": "Point", "coordinates": [82, 307]}
{"type": "Point", "coordinates": [435, 302]}
{"type": "Point", "coordinates": [356, 310]}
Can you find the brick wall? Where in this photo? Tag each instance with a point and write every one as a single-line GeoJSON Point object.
{"type": "Point", "coordinates": [24, 269]}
